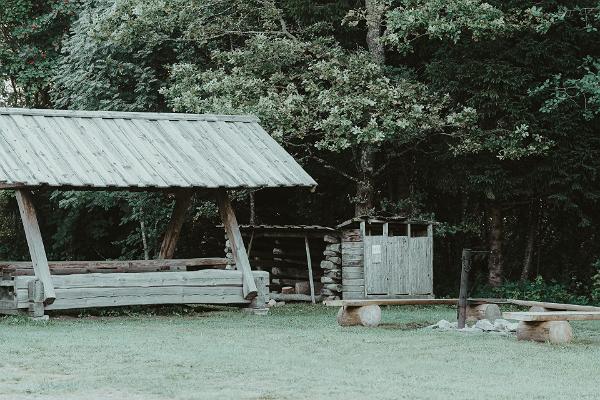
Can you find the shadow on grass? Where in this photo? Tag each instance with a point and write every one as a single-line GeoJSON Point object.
{"type": "Point", "coordinates": [408, 326]}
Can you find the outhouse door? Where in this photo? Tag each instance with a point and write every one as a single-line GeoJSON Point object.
{"type": "Point", "coordinates": [397, 265]}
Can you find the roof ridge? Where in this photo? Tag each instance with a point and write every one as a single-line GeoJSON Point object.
{"type": "Point", "coordinates": [127, 115]}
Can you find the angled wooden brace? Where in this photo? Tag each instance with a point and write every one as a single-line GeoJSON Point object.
{"type": "Point", "coordinates": [35, 244]}
{"type": "Point", "coordinates": [237, 244]}
{"type": "Point", "coordinates": [183, 199]}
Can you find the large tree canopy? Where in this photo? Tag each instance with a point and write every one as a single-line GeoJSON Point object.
{"type": "Point", "coordinates": [480, 114]}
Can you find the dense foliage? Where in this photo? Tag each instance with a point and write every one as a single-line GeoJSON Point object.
{"type": "Point", "coordinates": [481, 115]}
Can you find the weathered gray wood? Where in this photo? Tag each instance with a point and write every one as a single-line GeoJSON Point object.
{"type": "Point", "coordinates": [399, 265]}
{"type": "Point", "coordinates": [17, 268]}
{"type": "Point", "coordinates": [262, 298]}
{"type": "Point", "coordinates": [390, 302]}
{"type": "Point", "coordinates": [310, 273]}
{"type": "Point", "coordinates": [376, 265]}
{"type": "Point", "coordinates": [35, 244]}
{"type": "Point", "coordinates": [237, 244]}
{"type": "Point", "coordinates": [183, 199]}
{"type": "Point", "coordinates": [553, 316]}
{"type": "Point", "coordinates": [206, 287]}
{"type": "Point", "coordinates": [553, 306]}
{"type": "Point", "coordinates": [35, 298]}
{"type": "Point", "coordinates": [145, 279]}
{"type": "Point", "coordinates": [420, 265]}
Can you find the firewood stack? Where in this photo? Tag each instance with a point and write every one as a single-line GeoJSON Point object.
{"type": "Point", "coordinates": [332, 268]}
{"type": "Point", "coordinates": [289, 273]}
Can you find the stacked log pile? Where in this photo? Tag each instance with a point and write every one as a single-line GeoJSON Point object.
{"type": "Point", "coordinates": [332, 268]}
{"type": "Point", "coordinates": [289, 274]}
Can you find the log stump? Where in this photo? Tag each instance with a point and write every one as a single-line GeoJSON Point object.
{"type": "Point", "coordinates": [490, 312]}
{"type": "Point", "coordinates": [364, 315]}
{"type": "Point", "coordinates": [555, 332]}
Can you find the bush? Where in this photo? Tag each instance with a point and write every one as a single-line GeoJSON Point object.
{"type": "Point", "coordinates": [540, 290]}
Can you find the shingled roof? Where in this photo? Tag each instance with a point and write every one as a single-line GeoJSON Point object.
{"type": "Point", "coordinates": [99, 149]}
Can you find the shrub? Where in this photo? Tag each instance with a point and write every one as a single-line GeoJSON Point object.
{"type": "Point", "coordinates": [540, 290]}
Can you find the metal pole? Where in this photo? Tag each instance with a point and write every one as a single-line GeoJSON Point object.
{"type": "Point", "coordinates": [464, 283]}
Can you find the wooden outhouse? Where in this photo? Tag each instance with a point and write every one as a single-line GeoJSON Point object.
{"type": "Point", "coordinates": [386, 258]}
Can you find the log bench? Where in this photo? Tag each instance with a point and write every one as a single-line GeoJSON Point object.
{"type": "Point", "coordinates": [552, 326]}
{"type": "Point", "coordinates": [367, 312]}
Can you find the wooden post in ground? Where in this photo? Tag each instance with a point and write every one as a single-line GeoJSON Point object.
{"type": "Point", "coordinates": [464, 282]}
{"type": "Point", "coordinates": [35, 244]}
{"type": "Point", "coordinates": [240, 255]}
{"type": "Point", "coordinates": [183, 200]}
{"type": "Point", "coordinates": [310, 273]}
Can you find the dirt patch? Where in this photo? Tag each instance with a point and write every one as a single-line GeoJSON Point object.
{"type": "Point", "coordinates": [405, 326]}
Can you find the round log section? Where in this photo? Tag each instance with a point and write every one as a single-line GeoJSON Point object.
{"type": "Point", "coordinates": [490, 312]}
{"type": "Point", "coordinates": [555, 332]}
{"type": "Point", "coordinates": [365, 315]}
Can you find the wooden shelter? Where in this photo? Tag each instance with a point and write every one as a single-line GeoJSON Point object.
{"type": "Point", "coordinates": [292, 254]}
{"type": "Point", "coordinates": [172, 153]}
{"type": "Point", "coordinates": [386, 258]}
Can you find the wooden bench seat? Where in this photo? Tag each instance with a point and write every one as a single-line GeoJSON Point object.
{"type": "Point", "coordinates": [367, 312]}
{"type": "Point", "coordinates": [551, 326]}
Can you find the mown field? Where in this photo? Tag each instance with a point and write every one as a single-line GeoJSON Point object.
{"type": "Point", "coordinates": [296, 352]}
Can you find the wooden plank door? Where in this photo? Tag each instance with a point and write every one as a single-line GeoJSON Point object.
{"type": "Point", "coordinates": [377, 268]}
{"type": "Point", "coordinates": [398, 261]}
{"type": "Point", "coordinates": [421, 265]}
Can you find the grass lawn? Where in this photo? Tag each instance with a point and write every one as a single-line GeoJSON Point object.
{"type": "Point", "coordinates": [296, 352]}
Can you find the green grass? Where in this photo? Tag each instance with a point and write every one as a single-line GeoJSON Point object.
{"type": "Point", "coordinates": [296, 352]}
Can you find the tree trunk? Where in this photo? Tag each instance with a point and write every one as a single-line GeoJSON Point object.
{"type": "Point", "coordinates": [365, 187]}
{"type": "Point", "coordinates": [365, 190]}
{"type": "Point", "coordinates": [531, 238]}
{"type": "Point", "coordinates": [252, 209]}
{"type": "Point", "coordinates": [496, 236]}
{"type": "Point", "coordinates": [374, 17]}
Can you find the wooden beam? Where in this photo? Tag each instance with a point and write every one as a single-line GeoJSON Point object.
{"type": "Point", "coordinates": [35, 244]}
{"type": "Point", "coordinates": [310, 273]}
{"type": "Point", "coordinates": [553, 306]}
{"type": "Point", "coordinates": [183, 200]}
{"type": "Point", "coordinates": [553, 316]}
{"type": "Point", "coordinates": [388, 302]}
{"type": "Point", "coordinates": [234, 235]}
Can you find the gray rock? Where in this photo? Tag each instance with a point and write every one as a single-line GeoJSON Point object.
{"type": "Point", "coordinates": [512, 327]}
{"type": "Point", "coordinates": [484, 325]}
{"type": "Point", "coordinates": [501, 324]}
{"type": "Point", "coordinates": [470, 329]}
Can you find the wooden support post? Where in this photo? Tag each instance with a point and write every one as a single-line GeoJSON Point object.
{"type": "Point", "coordinates": [464, 282]}
{"type": "Point", "coordinates": [237, 244]}
{"type": "Point", "coordinates": [311, 283]}
{"type": "Point", "coordinates": [183, 200]}
{"type": "Point", "coordinates": [35, 244]}
{"type": "Point", "coordinates": [35, 291]}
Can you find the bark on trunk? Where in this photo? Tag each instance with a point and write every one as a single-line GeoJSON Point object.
{"type": "Point", "coordinates": [252, 209]}
{"type": "Point", "coordinates": [365, 190]}
{"type": "Point", "coordinates": [496, 236]}
{"type": "Point", "coordinates": [531, 238]}
{"type": "Point", "coordinates": [374, 17]}
{"type": "Point", "coordinates": [365, 187]}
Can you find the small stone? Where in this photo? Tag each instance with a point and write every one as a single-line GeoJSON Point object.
{"type": "Point", "coordinates": [334, 247]}
{"type": "Point", "coordinates": [443, 325]}
{"type": "Point", "coordinates": [484, 325]}
{"type": "Point", "coordinates": [512, 327]}
{"type": "Point", "coordinates": [470, 329]}
{"type": "Point", "coordinates": [501, 324]}
{"type": "Point", "coordinates": [279, 303]}
{"type": "Point", "coordinates": [271, 303]}
{"type": "Point", "coordinates": [335, 260]}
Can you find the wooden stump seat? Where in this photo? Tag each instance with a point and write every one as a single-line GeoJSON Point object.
{"type": "Point", "coordinates": [552, 326]}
